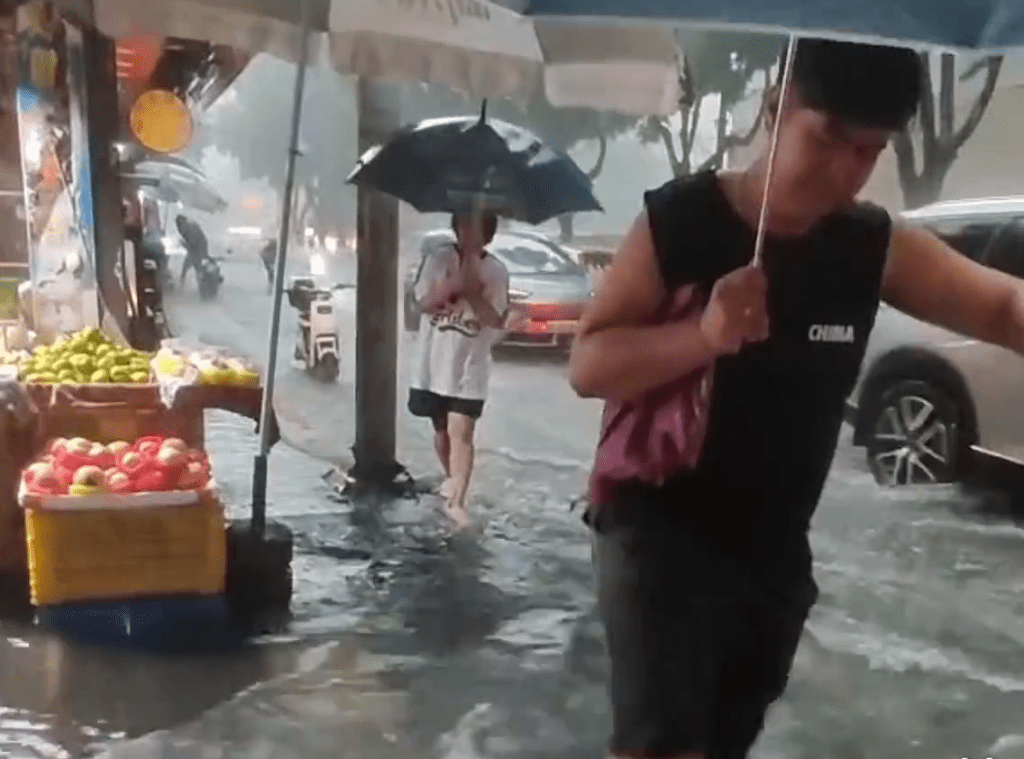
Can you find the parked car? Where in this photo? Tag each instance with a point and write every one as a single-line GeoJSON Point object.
{"type": "Point", "coordinates": [545, 283]}
{"type": "Point", "coordinates": [931, 406]}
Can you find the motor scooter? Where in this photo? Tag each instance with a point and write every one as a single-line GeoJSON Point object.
{"type": "Point", "coordinates": [317, 345]}
{"type": "Point", "coordinates": [209, 278]}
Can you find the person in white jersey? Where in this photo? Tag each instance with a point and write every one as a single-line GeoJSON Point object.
{"type": "Point", "coordinates": [462, 291]}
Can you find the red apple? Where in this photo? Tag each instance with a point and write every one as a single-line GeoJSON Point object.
{"type": "Point", "coordinates": [64, 477]}
{"type": "Point", "coordinates": [43, 480]}
{"type": "Point", "coordinates": [130, 460]}
{"type": "Point", "coordinates": [56, 445]}
{"type": "Point", "coordinates": [193, 477]}
{"type": "Point", "coordinates": [35, 471]}
{"type": "Point", "coordinates": [171, 457]}
{"type": "Point", "coordinates": [176, 443]}
{"type": "Point", "coordinates": [155, 481]}
{"type": "Point", "coordinates": [91, 476]}
{"type": "Point", "coordinates": [101, 456]}
{"type": "Point", "coordinates": [118, 481]}
{"type": "Point", "coordinates": [78, 446]}
{"type": "Point", "coordinates": [148, 445]}
{"type": "Point", "coordinates": [118, 447]}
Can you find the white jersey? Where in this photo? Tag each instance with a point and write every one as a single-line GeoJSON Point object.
{"type": "Point", "coordinates": [455, 347]}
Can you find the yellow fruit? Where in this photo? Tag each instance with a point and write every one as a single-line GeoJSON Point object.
{"type": "Point", "coordinates": [33, 378]}
{"type": "Point", "coordinates": [140, 377]}
{"type": "Point", "coordinates": [83, 490]}
{"type": "Point", "coordinates": [102, 349]}
{"type": "Point", "coordinates": [106, 361]}
{"type": "Point", "coordinates": [60, 365]}
{"type": "Point", "coordinates": [80, 360]}
{"type": "Point", "coordinates": [47, 377]}
{"type": "Point", "coordinates": [66, 375]}
{"type": "Point", "coordinates": [100, 375]}
{"type": "Point", "coordinates": [120, 375]}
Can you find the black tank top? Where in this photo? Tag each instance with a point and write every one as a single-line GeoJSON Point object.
{"type": "Point", "coordinates": [776, 407]}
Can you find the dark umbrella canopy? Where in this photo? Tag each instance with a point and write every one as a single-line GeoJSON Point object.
{"type": "Point", "coordinates": [467, 163]}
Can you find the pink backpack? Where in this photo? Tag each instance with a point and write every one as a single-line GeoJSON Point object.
{"type": "Point", "coordinates": [661, 432]}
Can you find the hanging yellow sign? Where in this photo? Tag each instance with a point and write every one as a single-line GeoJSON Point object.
{"type": "Point", "coordinates": [161, 121]}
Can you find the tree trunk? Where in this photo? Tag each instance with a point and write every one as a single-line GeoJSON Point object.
{"type": "Point", "coordinates": [566, 227]}
{"type": "Point", "coordinates": [940, 139]}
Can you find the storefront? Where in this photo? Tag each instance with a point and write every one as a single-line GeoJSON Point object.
{"type": "Point", "coordinates": [77, 111]}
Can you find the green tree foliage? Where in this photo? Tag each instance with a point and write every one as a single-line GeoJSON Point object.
{"type": "Point", "coordinates": [253, 122]}
{"type": "Point", "coordinates": [723, 64]}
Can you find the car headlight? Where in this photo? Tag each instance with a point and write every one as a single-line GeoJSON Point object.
{"type": "Point", "coordinates": [518, 294]}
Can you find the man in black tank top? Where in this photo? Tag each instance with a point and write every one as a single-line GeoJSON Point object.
{"type": "Point", "coordinates": [704, 582]}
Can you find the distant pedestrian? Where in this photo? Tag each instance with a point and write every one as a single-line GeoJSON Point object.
{"type": "Point", "coordinates": [268, 254]}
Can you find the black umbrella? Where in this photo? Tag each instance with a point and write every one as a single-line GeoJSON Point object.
{"type": "Point", "coordinates": [471, 163]}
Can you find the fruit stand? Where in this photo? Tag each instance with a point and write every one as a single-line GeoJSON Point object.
{"type": "Point", "coordinates": [114, 489]}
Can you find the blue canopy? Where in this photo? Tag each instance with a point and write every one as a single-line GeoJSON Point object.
{"type": "Point", "coordinates": [985, 25]}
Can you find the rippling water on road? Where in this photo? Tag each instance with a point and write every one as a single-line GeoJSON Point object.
{"type": "Point", "coordinates": [406, 644]}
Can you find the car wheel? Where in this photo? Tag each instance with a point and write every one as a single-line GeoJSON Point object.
{"type": "Point", "coordinates": [912, 435]}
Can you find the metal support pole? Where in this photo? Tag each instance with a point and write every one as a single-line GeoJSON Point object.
{"type": "Point", "coordinates": [376, 307]}
{"type": "Point", "coordinates": [259, 473]}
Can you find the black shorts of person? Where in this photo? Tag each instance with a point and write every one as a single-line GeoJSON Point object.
{"type": "Point", "coordinates": [436, 408]}
{"type": "Point", "coordinates": [704, 582]}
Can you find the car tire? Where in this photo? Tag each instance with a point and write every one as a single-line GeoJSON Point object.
{"type": "Point", "coordinates": [913, 432]}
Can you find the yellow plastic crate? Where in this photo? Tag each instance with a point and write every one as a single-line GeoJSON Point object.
{"type": "Point", "coordinates": [83, 554]}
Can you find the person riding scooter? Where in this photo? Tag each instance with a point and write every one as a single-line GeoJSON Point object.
{"type": "Point", "coordinates": [198, 258]}
{"type": "Point", "coordinates": [196, 245]}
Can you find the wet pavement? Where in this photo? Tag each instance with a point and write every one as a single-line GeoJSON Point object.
{"type": "Point", "coordinates": [408, 644]}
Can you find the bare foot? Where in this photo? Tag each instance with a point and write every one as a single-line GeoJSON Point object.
{"type": "Point", "coordinates": [458, 515]}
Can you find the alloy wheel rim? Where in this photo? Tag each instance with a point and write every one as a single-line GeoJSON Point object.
{"type": "Point", "coordinates": [912, 442]}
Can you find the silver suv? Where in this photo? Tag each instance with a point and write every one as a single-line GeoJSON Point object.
{"type": "Point", "coordinates": [931, 406]}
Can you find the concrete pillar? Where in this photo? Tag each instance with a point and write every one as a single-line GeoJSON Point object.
{"type": "Point", "coordinates": [376, 307]}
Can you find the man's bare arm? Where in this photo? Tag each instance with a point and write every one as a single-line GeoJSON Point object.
{"type": "Point", "coordinates": [928, 280]}
{"type": "Point", "coordinates": [616, 353]}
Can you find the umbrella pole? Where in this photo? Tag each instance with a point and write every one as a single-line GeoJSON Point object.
{"type": "Point", "coordinates": [762, 220]}
{"type": "Point", "coordinates": [259, 475]}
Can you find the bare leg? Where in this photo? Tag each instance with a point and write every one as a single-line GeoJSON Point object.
{"type": "Point", "coordinates": [443, 447]}
{"type": "Point", "coordinates": [460, 434]}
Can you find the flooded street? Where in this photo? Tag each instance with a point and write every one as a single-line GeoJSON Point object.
{"type": "Point", "coordinates": [408, 645]}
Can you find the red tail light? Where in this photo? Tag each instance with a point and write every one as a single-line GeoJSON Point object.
{"type": "Point", "coordinates": [554, 312]}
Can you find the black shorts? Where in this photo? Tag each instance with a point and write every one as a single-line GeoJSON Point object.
{"type": "Point", "coordinates": [430, 405]}
{"type": "Point", "coordinates": [698, 654]}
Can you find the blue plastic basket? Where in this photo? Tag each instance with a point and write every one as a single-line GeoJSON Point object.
{"type": "Point", "coordinates": [173, 625]}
